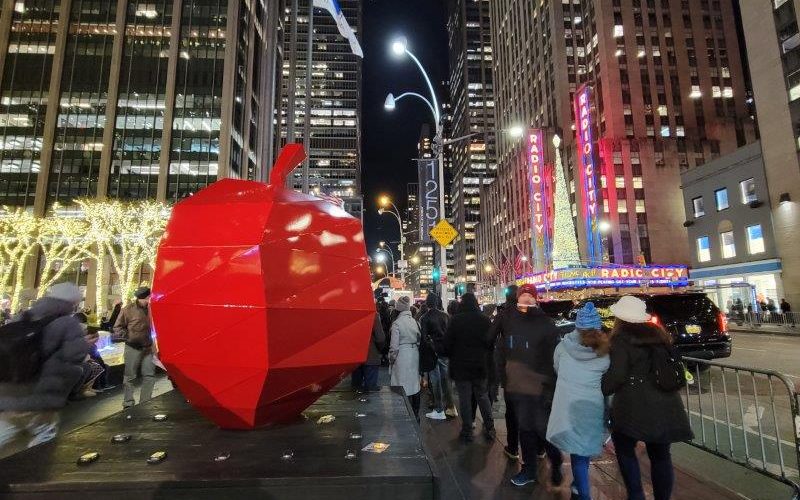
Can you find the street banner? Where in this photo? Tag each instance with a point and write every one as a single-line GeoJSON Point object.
{"type": "Point", "coordinates": [428, 196]}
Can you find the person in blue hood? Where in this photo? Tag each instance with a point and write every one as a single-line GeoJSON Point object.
{"type": "Point", "coordinates": [577, 424]}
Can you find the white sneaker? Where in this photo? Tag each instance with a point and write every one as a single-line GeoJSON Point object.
{"type": "Point", "coordinates": [436, 415]}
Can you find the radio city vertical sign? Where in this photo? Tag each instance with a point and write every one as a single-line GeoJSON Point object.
{"type": "Point", "coordinates": [428, 197]}
{"type": "Point", "coordinates": [588, 172]}
{"type": "Point", "coordinates": [538, 176]}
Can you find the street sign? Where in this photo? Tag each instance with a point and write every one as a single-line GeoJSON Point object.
{"type": "Point", "coordinates": [443, 280]}
{"type": "Point", "coordinates": [444, 233]}
{"type": "Point", "coordinates": [402, 264]}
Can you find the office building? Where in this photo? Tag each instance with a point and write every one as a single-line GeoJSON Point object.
{"type": "Point", "coordinates": [133, 99]}
{"type": "Point", "coordinates": [661, 90]}
{"type": "Point", "coordinates": [772, 41]}
{"type": "Point", "coordinates": [334, 167]}
{"type": "Point", "coordinates": [729, 221]}
{"type": "Point", "coordinates": [472, 112]}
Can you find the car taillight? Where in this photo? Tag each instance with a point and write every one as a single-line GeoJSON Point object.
{"type": "Point", "coordinates": [722, 322]}
{"type": "Point", "coordinates": [655, 320]}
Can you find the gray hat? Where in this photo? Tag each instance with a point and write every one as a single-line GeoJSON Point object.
{"type": "Point", "coordinates": [142, 293]}
{"type": "Point", "coordinates": [403, 304]}
{"type": "Point", "coordinates": [68, 292]}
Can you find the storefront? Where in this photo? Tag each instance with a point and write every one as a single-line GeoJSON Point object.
{"type": "Point", "coordinates": [764, 276]}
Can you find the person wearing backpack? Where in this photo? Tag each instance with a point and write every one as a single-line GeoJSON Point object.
{"type": "Point", "coordinates": [577, 423]}
{"type": "Point", "coordinates": [133, 327]}
{"type": "Point", "coordinates": [29, 407]}
{"type": "Point", "coordinates": [433, 325]}
{"type": "Point", "coordinates": [647, 406]}
{"type": "Point", "coordinates": [467, 344]}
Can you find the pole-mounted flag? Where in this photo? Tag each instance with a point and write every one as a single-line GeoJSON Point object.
{"type": "Point", "coordinates": [332, 6]}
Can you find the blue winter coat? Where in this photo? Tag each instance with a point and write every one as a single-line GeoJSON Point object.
{"type": "Point", "coordinates": [577, 418]}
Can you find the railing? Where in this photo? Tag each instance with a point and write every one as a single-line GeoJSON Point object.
{"type": "Point", "coordinates": [789, 321]}
{"type": "Point", "coordinates": [747, 416]}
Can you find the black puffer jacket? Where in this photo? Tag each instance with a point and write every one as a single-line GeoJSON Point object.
{"type": "Point", "coordinates": [640, 409]}
{"type": "Point", "coordinates": [64, 349]}
{"type": "Point", "coordinates": [467, 344]}
{"type": "Point", "coordinates": [527, 342]}
{"type": "Point", "coordinates": [433, 324]}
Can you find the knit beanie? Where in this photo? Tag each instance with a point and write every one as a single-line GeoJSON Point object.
{"type": "Point", "coordinates": [588, 318]}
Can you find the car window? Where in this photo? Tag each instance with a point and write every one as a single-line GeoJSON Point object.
{"type": "Point", "coordinates": [694, 307]}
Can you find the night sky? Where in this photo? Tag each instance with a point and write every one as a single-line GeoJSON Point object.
{"type": "Point", "coordinates": [390, 139]}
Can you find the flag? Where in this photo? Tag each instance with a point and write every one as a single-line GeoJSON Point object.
{"type": "Point", "coordinates": [332, 6]}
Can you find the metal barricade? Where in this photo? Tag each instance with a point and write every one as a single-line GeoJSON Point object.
{"type": "Point", "coordinates": [747, 416]}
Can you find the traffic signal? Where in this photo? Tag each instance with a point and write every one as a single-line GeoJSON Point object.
{"type": "Point", "coordinates": [436, 275]}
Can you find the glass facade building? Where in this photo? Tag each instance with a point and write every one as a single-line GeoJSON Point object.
{"type": "Point", "coordinates": [134, 99]}
{"type": "Point", "coordinates": [335, 104]}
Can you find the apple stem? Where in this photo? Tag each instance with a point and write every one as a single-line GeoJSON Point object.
{"type": "Point", "coordinates": [291, 157]}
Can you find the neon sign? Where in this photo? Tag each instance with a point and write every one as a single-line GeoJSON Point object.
{"type": "Point", "coordinates": [588, 177]}
{"type": "Point", "coordinates": [538, 182]}
{"type": "Point", "coordinates": [609, 277]}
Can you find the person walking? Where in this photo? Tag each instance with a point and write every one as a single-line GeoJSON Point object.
{"type": "Point", "coordinates": [641, 409]}
{"type": "Point", "coordinates": [404, 353]}
{"type": "Point", "coordinates": [467, 344]}
{"type": "Point", "coordinates": [786, 309]}
{"type": "Point", "coordinates": [365, 377]}
{"type": "Point", "coordinates": [433, 325]}
{"type": "Point", "coordinates": [512, 431]}
{"type": "Point", "coordinates": [133, 327]}
{"type": "Point", "coordinates": [29, 411]}
{"type": "Point", "coordinates": [577, 423]}
{"type": "Point", "coordinates": [528, 339]}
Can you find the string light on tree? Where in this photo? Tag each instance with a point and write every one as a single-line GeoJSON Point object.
{"type": "Point", "coordinates": [565, 241]}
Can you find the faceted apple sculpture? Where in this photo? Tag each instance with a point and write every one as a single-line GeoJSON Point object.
{"type": "Point", "coordinates": [262, 300]}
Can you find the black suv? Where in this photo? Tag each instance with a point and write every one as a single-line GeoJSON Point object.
{"type": "Point", "coordinates": [699, 328]}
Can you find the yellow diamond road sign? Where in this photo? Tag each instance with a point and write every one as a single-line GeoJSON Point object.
{"type": "Point", "coordinates": [444, 233]}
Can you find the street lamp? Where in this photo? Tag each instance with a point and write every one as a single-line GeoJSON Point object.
{"type": "Point", "coordinates": [388, 207]}
{"type": "Point", "coordinates": [380, 270]}
{"type": "Point", "coordinates": [415, 260]}
{"type": "Point", "coordinates": [604, 226]}
{"type": "Point", "coordinates": [380, 257]}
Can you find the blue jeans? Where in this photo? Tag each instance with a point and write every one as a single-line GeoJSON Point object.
{"type": "Point", "coordinates": [442, 389]}
{"type": "Point", "coordinates": [580, 474]}
{"type": "Point", "coordinates": [365, 378]}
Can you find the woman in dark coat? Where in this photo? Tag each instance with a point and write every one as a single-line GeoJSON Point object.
{"type": "Point", "coordinates": [641, 411]}
{"type": "Point", "coordinates": [467, 344]}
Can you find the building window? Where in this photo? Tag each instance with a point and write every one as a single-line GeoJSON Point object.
{"type": "Point", "coordinates": [622, 206]}
{"type": "Point", "coordinates": [699, 207]}
{"type": "Point", "coordinates": [721, 195]}
{"type": "Point", "coordinates": [755, 239]}
{"type": "Point", "coordinates": [728, 245]}
{"type": "Point", "coordinates": [748, 189]}
{"type": "Point", "coordinates": [703, 249]}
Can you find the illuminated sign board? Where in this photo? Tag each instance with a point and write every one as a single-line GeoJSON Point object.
{"type": "Point", "coordinates": [537, 183]}
{"type": "Point", "coordinates": [428, 197]}
{"type": "Point", "coordinates": [588, 172]}
{"type": "Point", "coordinates": [609, 277]}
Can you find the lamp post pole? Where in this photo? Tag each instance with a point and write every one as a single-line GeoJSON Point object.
{"type": "Point", "coordinates": [396, 212]}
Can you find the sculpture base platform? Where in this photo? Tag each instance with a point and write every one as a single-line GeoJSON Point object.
{"type": "Point", "coordinates": [305, 460]}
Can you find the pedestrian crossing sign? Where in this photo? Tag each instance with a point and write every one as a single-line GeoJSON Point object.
{"type": "Point", "coordinates": [444, 233]}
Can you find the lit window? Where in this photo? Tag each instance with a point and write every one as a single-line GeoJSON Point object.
{"type": "Point", "coordinates": [640, 209]}
{"type": "Point", "coordinates": [603, 181]}
{"type": "Point", "coordinates": [703, 249]}
{"type": "Point", "coordinates": [605, 206]}
{"type": "Point", "coordinates": [622, 206]}
{"type": "Point", "coordinates": [755, 239]}
{"type": "Point", "coordinates": [637, 183]}
{"type": "Point", "coordinates": [618, 31]}
{"type": "Point", "coordinates": [748, 190]}
{"type": "Point", "coordinates": [721, 195]}
{"type": "Point", "coordinates": [699, 207]}
{"type": "Point", "coordinates": [679, 131]}
{"type": "Point", "coordinates": [695, 93]}
{"type": "Point", "coordinates": [727, 92]}
{"type": "Point", "coordinates": [620, 182]}
{"type": "Point", "coordinates": [662, 110]}
{"type": "Point", "coordinates": [665, 131]}
{"type": "Point", "coordinates": [716, 91]}
{"type": "Point", "coordinates": [728, 245]}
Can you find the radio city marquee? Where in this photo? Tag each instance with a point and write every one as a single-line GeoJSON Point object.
{"type": "Point", "coordinates": [539, 187]}
{"type": "Point", "coordinates": [588, 175]}
{"type": "Point", "coordinates": [608, 277]}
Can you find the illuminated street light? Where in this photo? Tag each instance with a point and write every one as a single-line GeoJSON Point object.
{"type": "Point", "coordinates": [604, 226]}
{"type": "Point", "coordinates": [390, 104]}
{"type": "Point", "coordinates": [384, 201]}
{"type": "Point", "coordinates": [380, 258]}
{"type": "Point", "coordinates": [415, 259]}
{"type": "Point", "coordinates": [516, 131]}
{"type": "Point", "coordinates": [488, 268]}
{"type": "Point", "coordinates": [556, 141]}
{"type": "Point", "coordinates": [382, 244]}
{"type": "Point", "coordinates": [380, 270]}
{"type": "Point", "coordinates": [400, 46]}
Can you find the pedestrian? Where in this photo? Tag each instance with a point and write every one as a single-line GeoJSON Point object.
{"type": "Point", "coordinates": [786, 309]}
{"type": "Point", "coordinates": [365, 377]}
{"type": "Point", "coordinates": [423, 308]}
{"type": "Point", "coordinates": [467, 344]}
{"type": "Point", "coordinates": [112, 320]}
{"type": "Point", "coordinates": [29, 411]}
{"type": "Point", "coordinates": [133, 326]}
{"type": "Point", "coordinates": [433, 325]}
{"type": "Point", "coordinates": [92, 369]}
{"type": "Point", "coordinates": [528, 339]}
{"type": "Point", "coordinates": [577, 423]}
{"type": "Point", "coordinates": [641, 410]}
{"type": "Point", "coordinates": [512, 431]}
{"type": "Point", "coordinates": [452, 308]}
{"type": "Point", "coordinates": [404, 353]}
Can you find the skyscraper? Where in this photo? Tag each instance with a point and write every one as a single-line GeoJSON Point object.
{"type": "Point", "coordinates": [773, 50]}
{"type": "Point", "coordinates": [334, 167]}
{"type": "Point", "coordinates": [419, 254]}
{"type": "Point", "coordinates": [133, 99]}
{"type": "Point", "coordinates": [472, 100]}
{"type": "Point", "coordinates": [661, 89]}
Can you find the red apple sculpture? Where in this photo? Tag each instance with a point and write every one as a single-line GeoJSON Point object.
{"type": "Point", "coordinates": [262, 299]}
